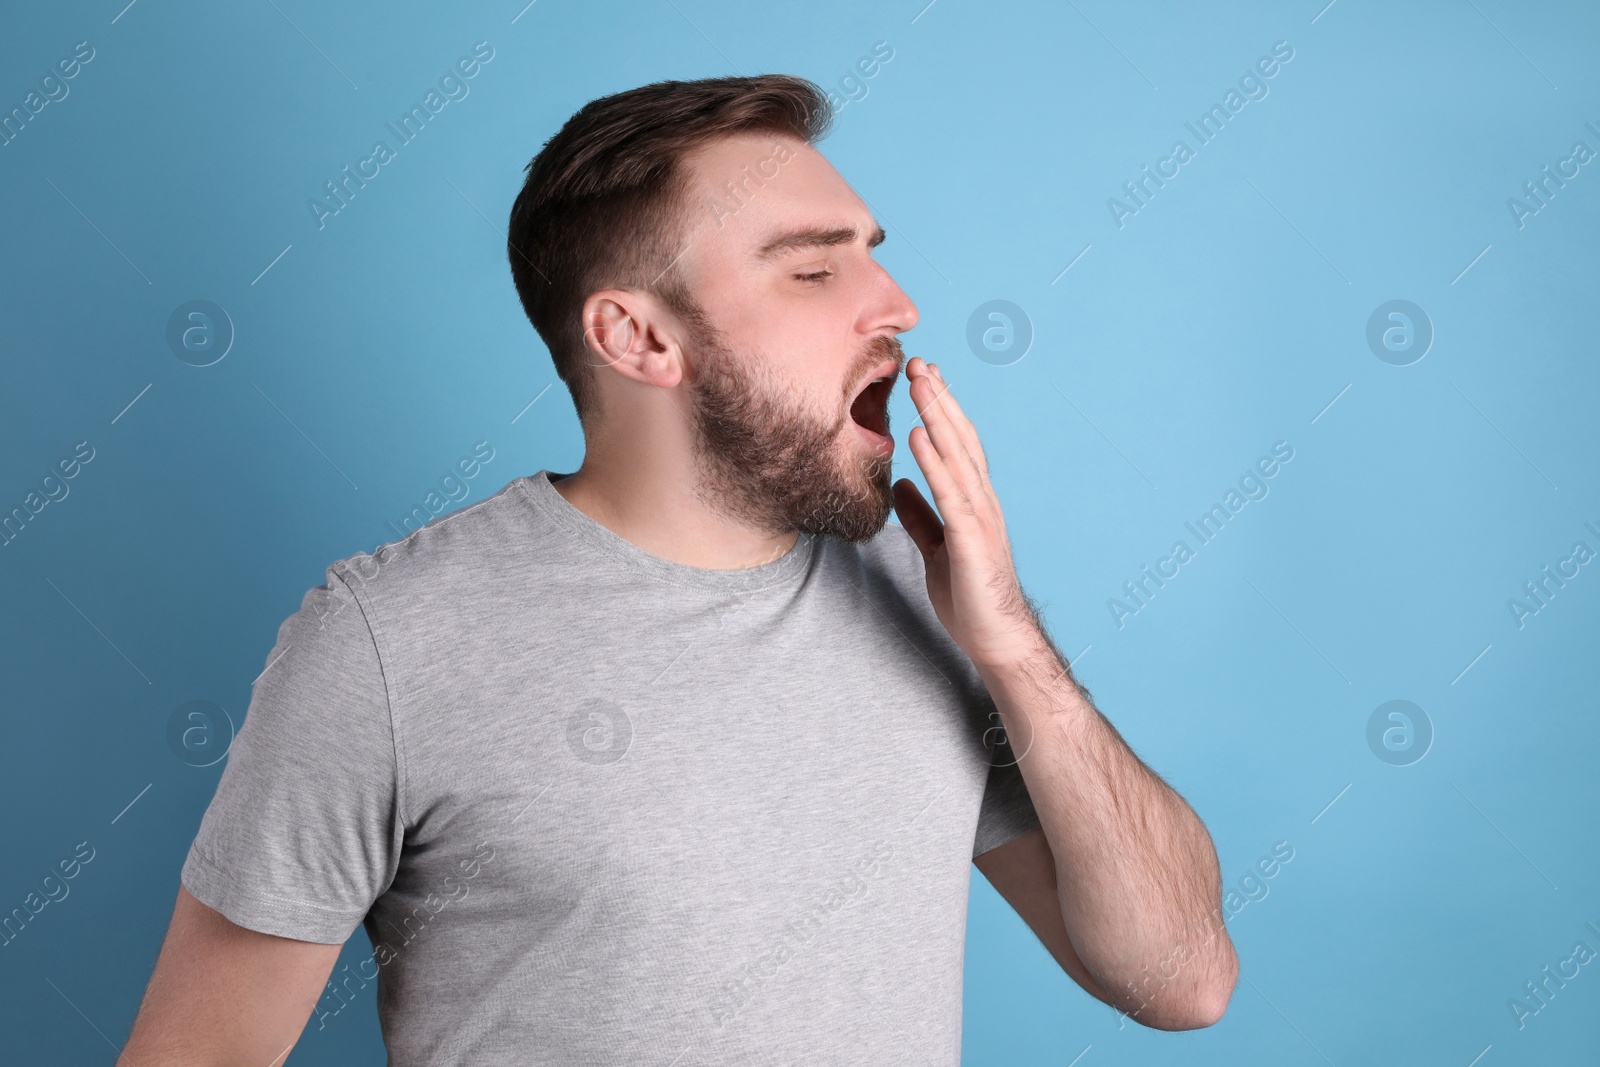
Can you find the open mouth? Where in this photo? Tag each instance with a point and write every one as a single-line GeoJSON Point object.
{"type": "Point", "coordinates": [870, 409]}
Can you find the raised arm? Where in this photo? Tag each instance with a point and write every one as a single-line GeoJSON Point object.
{"type": "Point", "coordinates": [1130, 863]}
{"type": "Point", "coordinates": [222, 994]}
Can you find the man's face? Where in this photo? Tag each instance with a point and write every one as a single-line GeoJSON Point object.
{"type": "Point", "coordinates": [799, 323]}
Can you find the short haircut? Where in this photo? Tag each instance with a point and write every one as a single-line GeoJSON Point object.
{"type": "Point", "coordinates": [605, 204]}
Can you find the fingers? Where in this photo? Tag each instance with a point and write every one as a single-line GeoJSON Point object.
{"type": "Point", "coordinates": [943, 421]}
{"type": "Point", "coordinates": [951, 499]}
{"type": "Point", "coordinates": [918, 517]}
{"type": "Point", "coordinates": [967, 432]}
{"type": "Point", "coordinates": [926, 393]}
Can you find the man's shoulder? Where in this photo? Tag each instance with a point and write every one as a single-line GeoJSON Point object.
{"type": "Point", "coordinates": [473, 544]}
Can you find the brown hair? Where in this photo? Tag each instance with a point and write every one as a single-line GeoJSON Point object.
{"type": "Point", "coordinates": [604, 204]}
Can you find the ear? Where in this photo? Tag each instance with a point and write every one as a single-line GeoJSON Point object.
{"type": "Point", "coordinates": [634, 335]}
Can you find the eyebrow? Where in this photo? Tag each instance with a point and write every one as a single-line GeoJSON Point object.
{"type": "Point", "coordinates": [814, 237]}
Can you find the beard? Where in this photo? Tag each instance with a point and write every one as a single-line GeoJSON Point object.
{"type": "Point", "coordinates": [765, 459]}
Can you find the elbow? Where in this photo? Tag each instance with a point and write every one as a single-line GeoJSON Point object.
{"type": "Point", "coordinates": [1208, 1003]}
{"type": "Point", "coordinates": [1201, 1005]}
{"type": "Point", "coordinates": [1207, 1010]}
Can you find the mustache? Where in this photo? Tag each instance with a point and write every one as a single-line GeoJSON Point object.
{"type": "Point", "coordinates": [877, 350]}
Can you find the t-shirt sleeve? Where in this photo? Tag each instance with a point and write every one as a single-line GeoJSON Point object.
{"type": "Point", "coordinates": [304, 831]}
{"type": "Point", "coordinates": [1007, 811]}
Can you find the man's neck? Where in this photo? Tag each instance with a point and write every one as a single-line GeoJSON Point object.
{"type": "Point", "coordinates": [660, 512]}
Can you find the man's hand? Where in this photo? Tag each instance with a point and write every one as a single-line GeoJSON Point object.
{"type": "Point", "coordinates": [1128, 863]}
{"type": "Point", "coordinates": [971, 579]}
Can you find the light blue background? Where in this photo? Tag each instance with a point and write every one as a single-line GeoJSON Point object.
{"type": "Point", "coordinates": [1224, 316]}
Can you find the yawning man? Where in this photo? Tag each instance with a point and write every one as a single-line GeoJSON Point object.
{"type": "Point", "coordinates": [682, 757]}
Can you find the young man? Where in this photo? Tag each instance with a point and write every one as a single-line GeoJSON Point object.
{"type": "Point", "coordinates": [681, 758]}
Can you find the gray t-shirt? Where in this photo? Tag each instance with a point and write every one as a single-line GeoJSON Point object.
{"type": "Point", "coordinates": [595, 807]}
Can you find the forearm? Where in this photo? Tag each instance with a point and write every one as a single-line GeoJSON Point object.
{"type": "Point", "coordinates": [1136, 871]}
{"type": "Point", "coordinates": [1136, 875]}
{"type": "Point", "coordinates": [224, 994]}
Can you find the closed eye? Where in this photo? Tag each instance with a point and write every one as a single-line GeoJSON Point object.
{"type": "Point", "coordinates": [815, 276]}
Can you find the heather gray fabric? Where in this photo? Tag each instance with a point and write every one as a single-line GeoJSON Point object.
{"type": "Point", "coordinates": [595, 807]}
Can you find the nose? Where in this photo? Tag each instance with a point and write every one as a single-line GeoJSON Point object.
{"type": "Point", "coordinates": [892, 308]}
